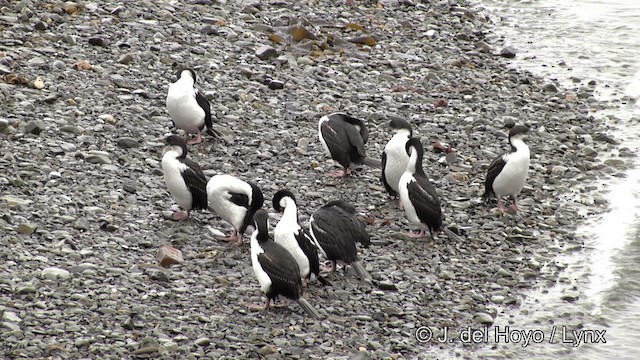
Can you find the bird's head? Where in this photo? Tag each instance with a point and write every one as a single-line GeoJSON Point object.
{"type": "Point", "coordinates": [181, 71]}
{"type": "Point", "coordinates": [399, 125]}
{"type": "Point", "coordinates": [518, 132]}
{"type": "Point", "coordinates": [175, 144]}
{"type": "Point", "coordinates": [279, 199]}
{"type": "Point", "coordinates": [414, 144]}
{"type": "Point", "coordinates": [261, 223]}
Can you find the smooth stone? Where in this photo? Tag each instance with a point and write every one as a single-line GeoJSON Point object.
{"type": "Point", "coordinates": [125, 59]}
{"type": "Point", "coordinates": [265, 52]}
{"type": "Point", "coordinates": [26, 228]}
{"type": "Point", "coordinates": [97, 159]}
{"type": "Point", "coordinates": [128, 143]}
{"type": "Point", "coordinates": [203, 341]}
{"type": "Point", "coordinates": [54, 273]}
{"type": "Point", "coordinates": [508, 52]}
{"type": "Point", "coordinates": [267, 350]}
{"type": "Point", "coordinates": [483, 318]}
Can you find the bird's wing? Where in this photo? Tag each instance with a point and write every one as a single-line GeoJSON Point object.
{"type": "Point", "coordinates": [197, 183]}
{"type": "Point", "coordinates": [356, 140]}
{"type": "Point", "coordinates": [204, 104]}
{"type": "Point", "coordinates": [494, 169]}
{"type": "Point", "coordinates": [360, 230]}
{"type": "Point", "coordinates": [383, 178]}
{"type": "Point", "coordinates": [334, 139]}
{"type": "Point", "coordinates": [334, 235]}
{"type": "Point", "coordinates": [281, 267]}
{"type": "Point", "coordinates": [239, 199]}
{"type": "Point", "coordinates": [310, 250]}
{"type": "Point", "coordinates": [425, 200]}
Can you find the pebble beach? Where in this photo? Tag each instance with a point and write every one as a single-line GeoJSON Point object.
{"type": "Point", "coordinates": [84, 207]}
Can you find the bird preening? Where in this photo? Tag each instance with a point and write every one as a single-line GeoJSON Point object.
{"type": "Point", "coordinates": [184, 178]}
{"type": "Point", "coordinates": [335, 231]}
{"type": "Point", "coordinates": [275, 268]}
{"type": "Point", "coordinates": [343, 137]}
{"type": "Point", "coordinates": [419, 198]}
{"type": "Point", "coordinates": [188, 107]}
{"type": "Point", "coordinates": [296, 239]}
{"type": "Point", "coordinates": [285, 260]}
{"type": "Point", "coordinates": [235, 201]}
{"type": "Point", "coordinates": [395, 157]}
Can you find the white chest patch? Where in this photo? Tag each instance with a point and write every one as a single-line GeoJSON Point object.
{"type": "Point", "coordinates": [183, 107]}
{"type": "Point", "coordinates": [397, 160]}
{"type": "Point", "coordinates": [284, 234]}
{"type": "Point", "coordinates": [514, 174]}
{"type": "Point", "coordinates": [178, 189]}
{"type": "Point", "coordinates": [403, 191]}
{"type": "Point", "coordinates": [261, 275]}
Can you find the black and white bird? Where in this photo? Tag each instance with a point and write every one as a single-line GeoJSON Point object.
{"type": "Point", "coordinates": [235, 201]}
{"type": "Point", "coordinates": [335, 233]}
{"type": "Point", "coordinates": [343, 138]}
{"type": "Point", "coordinates": [276, 269]}
{"type": "Point", "coordinates": [184, 178]}
{"type": "Point", "coordinates": [419, 198]}
{"type": "Point", "coordinates": [188, 107]}
{"type": "Point", "coordinates": [394, 156]}
{"type": "Point", "coordinates": [293, 237]}
{"type": "Point", "coordinates": [507, 174]}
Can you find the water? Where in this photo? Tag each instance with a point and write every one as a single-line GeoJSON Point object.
{"type": "Point", "coordinates": [574, 42]}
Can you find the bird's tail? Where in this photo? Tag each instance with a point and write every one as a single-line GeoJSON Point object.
{"type": "Point", "coordinates": [452, 236]}
{"type": "Point", "coordinates": [372, 162]}
{"type": "Point", "coordinates": [213, 132]}
{"type": "Point", "coordinates": [309, 309]}
{"type": "Point", "coordinates": [322, 280]}
{"type": "Point", "coordinates": [361, 271]}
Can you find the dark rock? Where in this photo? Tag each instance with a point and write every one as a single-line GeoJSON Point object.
{"type": "Point", "coordinates": [128, 143]}
{"type": "Point", "coordinates": [276, 85]}
{"type": "Point", "coordinates": [34, 127]}
{"type": "Point", "coordinates": [508, 52]}
{"type": "Point", "coordinates": [41, 25]}
{"type": "Point", "coordinates": [265, 52]}
{"type": "Point", "coordinates": [97, 41]}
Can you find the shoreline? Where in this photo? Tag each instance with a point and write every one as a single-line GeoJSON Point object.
{"type": "Point", "coordinates": [425, 67]}
{"type": "Point", "coordinates": [590, 273]}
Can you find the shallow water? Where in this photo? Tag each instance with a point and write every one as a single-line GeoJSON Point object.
{"type": "Point", "coordinates": [575, 42]}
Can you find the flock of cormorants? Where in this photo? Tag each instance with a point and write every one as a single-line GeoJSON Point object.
{"type": "Point", "coordinates": [285, 259]}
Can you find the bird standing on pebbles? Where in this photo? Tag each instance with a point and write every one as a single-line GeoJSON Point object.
{"type": "Point", "coordinates": [275, 268]}
{"type": "Point", "coordinates": [295, 238]}
{"type": "Point", "coordinates": [395, 157]}
{"type": "Point", "coordinates": [189, 108]}
{"type": "Point", "coordinates": [419, 198]}
{"type": "Point", "coordinates": [508, 172]}
{"type": "Point", "coordinates": [343, 138]}
{"type": "Point", "coordinates": [235, 201]}
{"type": "Point", "coordinates": [184, 178]}
{"type": "Point", "coordinates": [335, 232]}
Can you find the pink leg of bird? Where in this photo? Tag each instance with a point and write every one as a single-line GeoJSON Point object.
{"type": "Point", "coordinates": [305, 282]}
{"type": "Point", "coordinates": [259, 306]}
{"type": "Point", "coordinates": [340, 173]}
{"type": "Point", "coordinates": [400, 204]}
{"type": "Point", "coordinates": [283, 303]}
{"type": "Point", "coordinates": [417, 235]}
{"type": "Point", "coordinates": [195, 140]}
{"type": "Point", "coordinates": [501, 206]}
{"type": "Point", "coordinates": [235, 238]}
{"type": "Point", "coordinates": [329, 268]}
{"type": "Point", "coordinates": [180, 215]}
{"type": "Point", "coordinates": [514, 206]}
